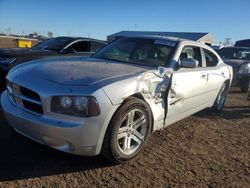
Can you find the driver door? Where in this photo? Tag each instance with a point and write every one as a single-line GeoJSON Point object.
{"type": "Point", "coordinates": [188, 87]}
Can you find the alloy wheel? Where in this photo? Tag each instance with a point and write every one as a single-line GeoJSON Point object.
{"type": "Point", "coordinates": [132, 131]}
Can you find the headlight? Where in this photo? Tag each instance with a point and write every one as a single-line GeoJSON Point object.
{"type": "Point", "coordinates": [7, 60]}
{"type": "Point", "coordinates": [244, 69]}
{"type": "Point", "coordinates": [79, 106]}
{"type": "Point", "coordinates": [65, 102]}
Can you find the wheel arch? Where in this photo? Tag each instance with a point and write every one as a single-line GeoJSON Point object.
{"type": "Point", "coordinates": [104, 146]}
{"type": "Point", "coordinates": [228, 84]}
{"type": "Point", "coordinates": [139, 96]}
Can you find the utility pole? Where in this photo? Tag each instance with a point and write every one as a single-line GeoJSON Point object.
{"type": "Point", "coordinates": [135, 26]}
{"type": "Point", "coordinates": [228, 42]}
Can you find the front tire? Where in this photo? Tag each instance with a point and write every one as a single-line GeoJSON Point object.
{"type": "Point", "coordinates": [128, 131]}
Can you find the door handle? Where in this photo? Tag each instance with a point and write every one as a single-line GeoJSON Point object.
{"type": "Point", "coordinates": [172, 95]}
{"type": "Point", "coordinates": [203, 75]}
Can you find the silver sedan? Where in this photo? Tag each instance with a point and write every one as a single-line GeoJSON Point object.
{"type": "Point", "coordinates": [110, 103]}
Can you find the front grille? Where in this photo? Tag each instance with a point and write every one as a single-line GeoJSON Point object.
{"type": "Point", "coordinates": [25, 98]}
{"type": "Point", "coordinates": [32, 107]}
{"type": "Point", "coordinates": [30, 94]}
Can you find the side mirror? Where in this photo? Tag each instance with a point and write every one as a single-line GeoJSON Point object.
{"type": "Point", "coordinates": [189, 63]}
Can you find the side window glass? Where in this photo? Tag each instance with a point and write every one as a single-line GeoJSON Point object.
{"type": "Point", "coordinates": [96, 45]}
{"type": "Point", "coordinates": [83, 46]}
{"type": "Point", "coordinates": [191, 52]}
{"type": "Point", "coordinates": [211, 58]}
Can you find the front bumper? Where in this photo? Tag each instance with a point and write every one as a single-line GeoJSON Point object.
{"type": "Point", "coordinates": [76, 137]}
{"type": "Point", "coordinates": [238, 79]}
{"type": "Point", "coordinates": [243, 76]}
{"type": "Point", "coordinates": [243, 79]}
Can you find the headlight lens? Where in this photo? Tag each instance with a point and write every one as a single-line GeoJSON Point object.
{"type": "Point", "coordinates": [65, 102]}
{"type": "Point", "coordinates": [81, 103]}
{"type": "Point", "coordinates": [7, 60]}
{"type": "Point", "coordinates": [244, 69]}
{"type": "Point", "coordinates": [79, 106]}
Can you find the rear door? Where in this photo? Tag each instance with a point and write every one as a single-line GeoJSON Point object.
{"type": "Point", "coordinates": [215, 73]}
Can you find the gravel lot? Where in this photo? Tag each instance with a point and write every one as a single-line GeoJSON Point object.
{"type": "Point", "coordinates": [205, 150]}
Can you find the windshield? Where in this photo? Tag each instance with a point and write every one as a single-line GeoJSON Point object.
{"type": "Point", "coordinates": [55, 44]}
{"type": "Point", "coordinates": [149, 52]}
{"type": "Point", "coordinates": [235, 53]}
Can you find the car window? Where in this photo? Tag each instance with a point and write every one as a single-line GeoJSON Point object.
{"type": "Point", "coordinates": [191, 52]}
{"type": "Point", "coordinates": [211, 58]}
{"type": "Point", "coordinates": [96, 45]}
{"type": "Point", "coordinates": [82, 46]}
{"type": "Point", "coordinates": [235, 53]}
{"type": "Point", "coordinates": [228, 53]}
{"type": "Point", "coordinates": [150, 52]}
{"type": "Point", "coordinates": [243, 43]}
{"type": "Point", "coordinates": [55, 44]}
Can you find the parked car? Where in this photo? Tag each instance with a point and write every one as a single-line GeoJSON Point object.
{"type": "Point", "coordinates": [112, 102]}
{"type": "Point", "coordinates": [243, 43]}
{"type": "Point", "coordinates": [239, 59]}
{"type": "Point", "coordinates": [248, 93]}
{"type": "Point", "coordinates": [59, 46]}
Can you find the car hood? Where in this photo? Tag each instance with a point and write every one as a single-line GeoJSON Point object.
{"type": "Point", "coordinates": [235, 62]}
{"type": "Point", "coordinates": [76, 71]}
{"type": "Point", "coordinates": [23, 52]}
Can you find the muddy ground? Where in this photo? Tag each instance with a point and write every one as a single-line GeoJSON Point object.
{"type": "Point", "coordinates": [205, 150]}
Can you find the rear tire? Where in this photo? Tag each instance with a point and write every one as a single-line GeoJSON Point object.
{"type": "Point", "coordinates": [221, 98]}
{"type": "Point", "coordinates": [128, 131]}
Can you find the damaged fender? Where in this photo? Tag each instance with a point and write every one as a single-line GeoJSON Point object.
{"type": "Point", "coordinates": [152, 85]}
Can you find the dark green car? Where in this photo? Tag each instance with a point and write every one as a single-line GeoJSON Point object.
{"type": "Point", "coordinates": [239, 59]}
{"type": "Point", "coordinates": [59, 46]}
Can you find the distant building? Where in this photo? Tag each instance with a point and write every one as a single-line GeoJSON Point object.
{"type": "Point", "coordinates": [15, 42]}
{"type": "Point", "coordinates": [200, 37]}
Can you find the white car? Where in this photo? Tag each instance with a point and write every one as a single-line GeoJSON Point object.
{"type": "Point", "coordinates": [110, 103]}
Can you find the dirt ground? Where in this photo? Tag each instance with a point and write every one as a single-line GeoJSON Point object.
{"type": "Point", "coordinates": [205, 150]}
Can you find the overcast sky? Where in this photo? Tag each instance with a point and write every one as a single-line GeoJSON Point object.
{"type": "Point", "coordinates": [97, 19]}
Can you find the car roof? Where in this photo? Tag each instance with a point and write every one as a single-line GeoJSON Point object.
{"type": "Point", "coordinates": [174, 39]}
{"type": "Point", "coordinates": [236, 47]}
{"type": "Point", "coordinates": [79, 38]}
